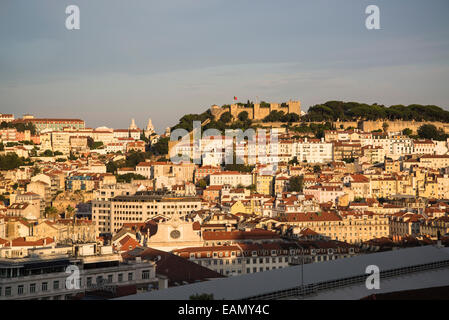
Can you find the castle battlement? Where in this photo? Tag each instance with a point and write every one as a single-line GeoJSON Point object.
{"type": "Point", "coordinates": [257, 111]}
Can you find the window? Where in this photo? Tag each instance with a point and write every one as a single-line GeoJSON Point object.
{"type": "Point", "coordinates": [120, 277]}
{"type": "Point", "coordinates": [44, 286]}
{"type": "Point", "coordinates": [89, 281]}
{"type": "Point", "coordinates": [56, 284]}
{"type": "Point", "coordinates": [32, 288]}
{"type": "Point", "coordinates": [20, 290]}
{"type": "Point", "coordinates": [8, 291]}
{"type": "Point", "coordinates": [146, 274]}
{"type": "Point", "coordinates": [110, 277]}
{"type": "Point", "coordinates": [130, 276]}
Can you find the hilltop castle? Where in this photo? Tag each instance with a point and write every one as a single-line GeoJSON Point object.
{"type": "Point", "coordinates": [257, 111]}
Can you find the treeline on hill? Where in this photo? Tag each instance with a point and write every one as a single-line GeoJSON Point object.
{"type": "Point", "coordinates": [21, 127]}
{"type": "Point", "coordinates": [224, 122]}
{"type": "Point", "coordinates": [351, 111]}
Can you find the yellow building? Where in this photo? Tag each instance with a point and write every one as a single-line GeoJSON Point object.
{"type": "Point", "coordinates": [349, 227]}
{"type": "Point", "coordinates": [264, 184]}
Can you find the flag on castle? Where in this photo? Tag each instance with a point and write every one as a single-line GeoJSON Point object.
{"type": "Point", "coordinates": [235, 98]}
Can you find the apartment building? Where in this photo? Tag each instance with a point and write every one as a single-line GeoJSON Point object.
{"type": "Point", "coordinates": [421, 147]}
{"type": "Point", "coordinates": [264, 184]}
{"type": "Point", "coordinates": [346, 150]}
{"type": "Point", "coordinates": [54, 124]}
{"type": "Point", "coordinates": [351, 227]}
{"type": "Point", "coordinates": [434, 161]}
{"type": "Point", "coordinates": [143, 206]}
{"type": "Point", "coordinates": [204, 172]}
{"type": "Point", "coordinates": [101, 204]}
{"type": "Point", "coordinates": [182, 172]}
{"type": "Point", "coordinates": [313, 151]}
{"type": "Point", "coordinates": [373, 154]}
{"type": "Point", "coordinates": [324, 194]}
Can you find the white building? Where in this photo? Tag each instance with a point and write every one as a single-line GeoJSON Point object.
{"type": "Point", "coordinates": [232, 178]}
{"type": "Point", "coordinates": [313, 151]}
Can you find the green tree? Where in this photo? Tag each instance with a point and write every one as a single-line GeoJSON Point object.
{"type": "Point", "coordinates": [69, 212]}
{"type": "Point", "coordinates": [294, 161]}
{"type": "Point", "coordinates": [111, 167]}
{"type": "Point", "coordinates": [161, 147]}
{"type": "Point", "coordinates": [201, 184]}
{"type": "Point", "coordinates": [243, 116]}
{"type": "Point", "coordinates": [128, 177]}
{"type": "Point", "coordinates": [11, 161]}
{"type": "Point", "coordinates": [407, 132]}
{"type": "Point", "coordinates": [226, 117]}
{"type": "Point", "coordinates": [94, 144]}
{"type": "Point", "coordinates": [35, 171]}
{"type": "Point", "coordinates": [47, 153]}
{"type": "Point", "coordinates": [290, 117]}
{"type": "Point", "coordinates": [274, 116]}
{"type": "Point", "coordinates": [51, 212]}
{"type": "Point", "coordinates": [72, 156]}
{"type": "Point", "coordinates": [134, 158]}
{"type": "Point", "coordinates": [296, 184]}
{"type": "Point", "coordinates": [238, 167]}
{"type": "Point", "coordinates": [429, 131]}
{"type": "Point", "coordinates": [252, 187]}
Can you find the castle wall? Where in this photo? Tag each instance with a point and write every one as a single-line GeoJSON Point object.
{"type": "Point", "coordinates": [256, 112]}
{"type": "Point", "coordinates": [394, 126]}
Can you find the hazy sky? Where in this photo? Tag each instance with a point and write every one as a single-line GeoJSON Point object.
{"type": "Point", "coordinates": [162, 59]}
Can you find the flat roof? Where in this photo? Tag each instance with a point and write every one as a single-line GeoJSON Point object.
{"type": "Point", "coordinates": [250, 285]}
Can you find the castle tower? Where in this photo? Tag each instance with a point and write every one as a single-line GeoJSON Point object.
{"type": "Point", "coordinates": [294, 107]}
{"type": "Point", "coordinates": [256, 111]}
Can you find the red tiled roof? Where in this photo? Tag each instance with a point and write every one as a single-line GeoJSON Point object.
{"type": "Point", "coordinates": [312, 216]}
{"type": "Point", "coordinates": [255, 234]}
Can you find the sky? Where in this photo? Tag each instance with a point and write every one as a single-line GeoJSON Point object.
{"type": "Point", "coordinates": [162, 59]}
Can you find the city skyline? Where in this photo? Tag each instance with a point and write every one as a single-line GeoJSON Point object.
{"type": "Point", "coordinates": [161, 61]}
